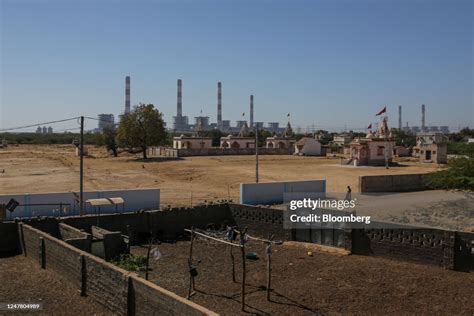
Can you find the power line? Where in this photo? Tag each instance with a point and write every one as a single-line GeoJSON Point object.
{"type": "Point", "coordinates": [37, 124]}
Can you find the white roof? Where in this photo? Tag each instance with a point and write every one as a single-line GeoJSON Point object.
{"type": "Point", "coordinates": [105, 201]}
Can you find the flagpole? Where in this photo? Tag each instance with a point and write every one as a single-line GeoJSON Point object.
{"type": "Point", "coordinates": [386, 142]}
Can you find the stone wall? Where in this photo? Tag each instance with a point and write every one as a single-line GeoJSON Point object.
{"type": "Point", "coordinates": [393, 183]}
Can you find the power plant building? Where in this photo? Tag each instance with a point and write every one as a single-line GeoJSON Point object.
{"type": "Point", "coordinates": [105, 120]}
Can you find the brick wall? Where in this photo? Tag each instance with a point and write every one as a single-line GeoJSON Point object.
{"type": "Point", "coordinates": [260, 221]}
{"type": "Point", "coordinates": [392, 183]}
{"type": "Point", "coordinates": [9, 239]}
{"type": "Point", "coordinates": [429, 246]}
{"type": "Point", "coordinates": [167, 224]}
{"type": "Point", "coordinates": [116, 289]}
{"type": "Point", "coordinates": [147, 302]}
{"type": "Point", "coordinates": [69, 232]}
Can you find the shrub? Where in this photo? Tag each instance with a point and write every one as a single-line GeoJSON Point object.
{"type": "Point", "coordinates": [130, 262]}
{"type": "Point", "coordinates": [459, 174]}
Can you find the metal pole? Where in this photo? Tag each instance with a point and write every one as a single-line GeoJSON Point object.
{"type": "Point", "coordinates": [256, 154]}
{"type": "Point", "coordinates": [81, 169]}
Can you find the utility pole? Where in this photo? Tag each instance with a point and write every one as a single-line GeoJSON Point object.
{"type": "Point", "coordinates": [81, 169]}
{"type": "Point", "coordinates": [256, 154]}
{"type": "Point", "coordinates": [385, 125]}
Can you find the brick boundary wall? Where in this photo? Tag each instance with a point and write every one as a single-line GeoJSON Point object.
{"type": "Point", "coordinates": [393, 183]}
{"type": "Point", "coordinates": [428, 246]}
{"type": "Point", "coordinates": [420, 245]}
{"type": "Point", "coordinates": [120, 291]}
{"type": "Point", "coordinates": [260, 221]}
{"type": "Point", "coordinates": [9, 239]}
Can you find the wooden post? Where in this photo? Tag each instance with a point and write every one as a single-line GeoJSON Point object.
{"type": "Point", "coordinates": [233, 264]}
{"type": "Point", "coordinates": [42, 253]}
{"type": "Point", "coordinates": [23, 244]}
{"type": "Point", "coordinates": [269, 275]}
{"type": "Point", "coordinates": [269, 266]}
{"type": "Point", "coordinates": [190, 262]}
{"type": "Point", "coordinates": [148, 258]}
{"type": "Point", "coordinates": [129, 232]}
{"type": "Point", "coordinates": [242, 250]}
{"type": "Point", "coordinates": [83, 276]}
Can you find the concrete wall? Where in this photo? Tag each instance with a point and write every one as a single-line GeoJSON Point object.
{"type": "Point", "coordinates": [166, 224]}
{"type": "Point", "coordinates": [134, 201]}
{"type": "Point", "coordinates": [274, 192]}
{"type": "Point", "coordinates": [392, 183]}
{"type": "Point", "coordinates": [120, 291]}
{"type": "Point", "coordinates": [75, 237]}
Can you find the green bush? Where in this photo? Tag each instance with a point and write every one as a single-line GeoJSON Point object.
{"type": "Point", "coordinates": [459, 175]}
{"type": "Point", "coordinates": [130, 262]}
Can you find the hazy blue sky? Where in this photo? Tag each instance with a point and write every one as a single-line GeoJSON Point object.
{"type": "Point", "coordinates": [328, 63]}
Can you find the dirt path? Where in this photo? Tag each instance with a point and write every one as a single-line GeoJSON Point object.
{"type": "Point", "coordinates": [23, 282]}
{"type": "Point", "coordinates": [322, 284]}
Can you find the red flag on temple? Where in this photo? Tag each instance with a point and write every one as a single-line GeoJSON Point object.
{"type": "Point", "coordinates": [370, 126]}
{"type": "Point", "coordinates": [382, 111]}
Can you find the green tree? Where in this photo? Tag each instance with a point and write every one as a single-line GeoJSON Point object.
{"type": "Point", "coordinates": [109, 136]}
{"type": "Point", "coordinates": [459, 174]}
{"type": "Point", "coordinates": [403, 138]}
{"type": "Point", "coordinates": [142, 127]}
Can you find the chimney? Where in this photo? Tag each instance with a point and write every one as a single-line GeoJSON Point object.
{"type": "Point", "coordinates": [399, 117]}
{"type": "Point", "coordinates": [127, 94]}
{"type": "Point", "coordinates": [219, 104]}
{"type": "Point", "coordinates": [422, 116]}
{"type": "Point", "coordinates": [179, 111]}
{"type": "Point", "coordinates": [251, 111]}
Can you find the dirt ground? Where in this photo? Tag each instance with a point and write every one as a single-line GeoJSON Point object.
{"type": "Point", "coordinates": [303, 285]}
{"type": "Point", "coordinates": [23, 282]}
{"type": "Point", "coordinates": [55, 168]}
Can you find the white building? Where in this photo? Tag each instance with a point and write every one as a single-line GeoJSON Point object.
{"type": "Point", "coordinates": [308, 146]}
{"type": "Point", "coordinates": [240, 141]}
{"type": "Point", "coordinates": [285, 141]}
{"type": "Point", "coordinates": [191, 142]}
{"type": "Point", "coordinates": [374, 149]}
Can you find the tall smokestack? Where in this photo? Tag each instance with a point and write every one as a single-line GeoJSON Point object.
{"type": "Point", "coordinates": [422, 116]}
{"type": "Point", "coordinates": [127, 94]}
{"type": "Point", "coordinates": [179, 111]}
{"type": "Point", "coordinates": [219, 104]}
{"type": "Point", "coordinates": [399, 117]}
{"type": "Point", "coordinates": [251, 111]}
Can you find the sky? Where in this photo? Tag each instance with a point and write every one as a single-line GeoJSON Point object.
{"type": "Point", "coordinates": [330, 64]}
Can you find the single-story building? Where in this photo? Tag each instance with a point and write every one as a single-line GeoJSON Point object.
{"type": "Point", "coordinates": [237, 142]}
{"type": "Point", "coordinates": [191, 142]}
{"type": "Point", "coordinates": [374, 149]}
{"type": "Point", "coordinates": [401, 151]}
{"type": "Point", "coordinates": [308, 146]}
{"type": "Point", "coordinates": [280, 142]}
{"type": "Point", "coordinates": [431, 148]}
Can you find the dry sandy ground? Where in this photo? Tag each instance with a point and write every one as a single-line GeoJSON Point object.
{"type": "Point", "coordinates": [322, 284]}
{"type": "Point", "coordinates": [55, 168]}
{"type": "Point", "coordinates": [22, 281]}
